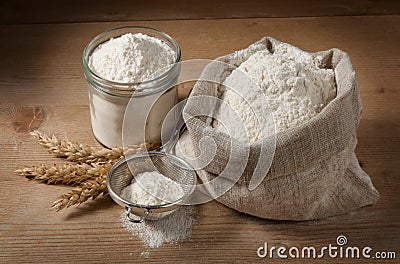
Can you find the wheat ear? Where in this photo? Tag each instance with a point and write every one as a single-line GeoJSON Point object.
{"type": "Point", "coordinates": [76, 152]}
{"type": "Point", "coordinates": [89, 189]}
{"type": "Point", "coordinates": [85, 154]}
{"type": "Point", "coordinates": [69, 174]}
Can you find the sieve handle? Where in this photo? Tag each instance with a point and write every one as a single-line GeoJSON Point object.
{"type": "Point", "coordinates": [141, 220]}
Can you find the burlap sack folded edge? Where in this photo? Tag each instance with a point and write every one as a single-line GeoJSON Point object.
{"type": "Point", "coordinates": [315, 146]}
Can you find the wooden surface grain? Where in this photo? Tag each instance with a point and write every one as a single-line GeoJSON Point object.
{"type": "Point", "coordinates": [41, 86]}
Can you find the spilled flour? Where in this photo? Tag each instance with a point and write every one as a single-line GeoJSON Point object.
{"type": "Point", "coordinates": [172, 228]}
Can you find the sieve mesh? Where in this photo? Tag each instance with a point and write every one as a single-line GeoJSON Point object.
{"type": "Point", "coordinates": [171, 166]}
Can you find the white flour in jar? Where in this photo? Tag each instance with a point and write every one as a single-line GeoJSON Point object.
{"type": "Point", "coordinates": [152, 188]}
{"type": "Point", "coordinates": [295, 85]}
{"type": "Point", "coordinates": [130, 58]}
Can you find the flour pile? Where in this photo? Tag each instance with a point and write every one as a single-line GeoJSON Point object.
{"type": "Point", "coordinates": [295, 86]}
{"type": "Point", "coordinates": [174, 227]}
{"type": "Point", "coordinates": [131, 58]}
{"type": "Point", "coordinates": [152, 188]}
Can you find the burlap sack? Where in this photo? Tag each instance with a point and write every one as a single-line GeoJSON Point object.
{"type": "Point", "coordinates": [314, 173]}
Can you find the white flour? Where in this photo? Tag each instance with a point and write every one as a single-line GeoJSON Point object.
{"type": "Point", "coordinates": [131, 58]}
{"type": "Point", "coordinates": [174, 227]}
{"type": "Point", "coordinates": [295, 86]}
{"type": "Point", "coordinates": [152, 188]}
{"type": "Point", "coordinates": [183, 147]}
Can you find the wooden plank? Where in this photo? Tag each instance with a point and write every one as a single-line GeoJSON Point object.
{"type": "Point", "coordinates": [41, 74]}
{"type": "Point", "coordinates": [45, 11]}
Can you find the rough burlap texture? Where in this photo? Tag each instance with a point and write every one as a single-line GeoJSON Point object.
{"type": "Point", "coordinates": [314, 172]}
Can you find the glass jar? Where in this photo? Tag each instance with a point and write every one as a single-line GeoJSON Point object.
{"type": "Point", "coordinates": [109, 99]}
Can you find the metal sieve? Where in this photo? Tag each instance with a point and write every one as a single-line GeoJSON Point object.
{"type": "Point", "coordinates": [171, 166]}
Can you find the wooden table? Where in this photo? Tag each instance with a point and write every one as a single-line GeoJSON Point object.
{"type": "Point", "coordinates": [41, 86]}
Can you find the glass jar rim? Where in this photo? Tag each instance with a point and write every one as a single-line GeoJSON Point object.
{"type": "Point", "coordinates": [127, 85]}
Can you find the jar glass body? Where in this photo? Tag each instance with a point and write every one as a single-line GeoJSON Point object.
{"type": "Point", "coordinates": [109, 100]}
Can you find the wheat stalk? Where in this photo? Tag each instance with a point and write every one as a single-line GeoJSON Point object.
{"type": "Point", "coordinates": [76, 152]}
{"type": "Point", "coordinates": [89, 189]}
{"type": "Point", "coordinates": [69, 174]}
{"type": "Point", "coordinates": [84, 154]}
